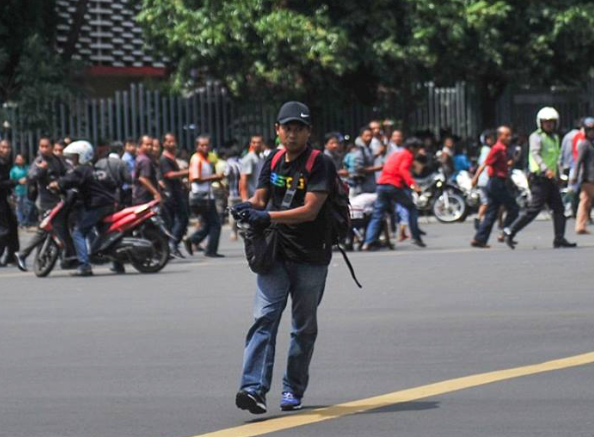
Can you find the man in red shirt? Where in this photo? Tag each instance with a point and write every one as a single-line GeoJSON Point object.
{"type": "Point", "coordinates": [497, 192]}
{"type": "Point", "coordinates": [395, 184]}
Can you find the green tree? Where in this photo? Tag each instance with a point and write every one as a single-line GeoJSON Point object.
{"type": "Point", "coordinates": [32, 72]}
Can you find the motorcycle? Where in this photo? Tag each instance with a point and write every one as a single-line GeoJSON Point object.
{"type": "Point", "coordinates": [134, 235]}
{"type": "Point", "coordinates": [521, 188]}
{"type": "Point", "coordinates": [471, 194]}
{"type": "Point", "coordinates": [442, 198]}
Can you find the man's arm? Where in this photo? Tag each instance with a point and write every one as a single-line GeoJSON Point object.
{"type": "Point", "coordinates": [306, 213]}
{"type": "Point", "coordinates": [150, 187]}
{"type": "Point", "coordinates": [243, 186]}
{"type": "Point", "coordinates": [260, 198]}
{"type": "Point", "coordinates": [176, 174]}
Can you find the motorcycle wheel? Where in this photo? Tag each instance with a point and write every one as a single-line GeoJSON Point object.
{"type": "Point", "coordinates": [160, 256]}
{"type": "Point", "coordinates": [455, 210]}
{"type": "Point", "coordinates": [46, 257]}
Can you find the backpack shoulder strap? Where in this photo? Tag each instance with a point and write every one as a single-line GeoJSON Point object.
{"type": "Point", "coordinates": [276, 158]}
{"type": "Point", "coordinates": [311, 159]}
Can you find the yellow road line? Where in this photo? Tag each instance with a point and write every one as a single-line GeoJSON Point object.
{"type": "Point", "coordinates": [398, 397]}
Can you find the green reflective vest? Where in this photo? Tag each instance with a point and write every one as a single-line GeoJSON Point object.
{"type": "Point", "coordinates": [549, 153]}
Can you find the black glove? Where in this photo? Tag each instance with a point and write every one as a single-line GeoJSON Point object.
{"type": "Point", "coordinates": [242, 206]}
{"type": "Point", "coordinates": [257, 218]}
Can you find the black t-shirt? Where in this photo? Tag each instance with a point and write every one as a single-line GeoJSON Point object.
{"type": "Point", "coordinates": [173, 186]}
{"type": "Point", "coordinates": [307, 242]}
{"type": "Point", "coordinates": [143, 168]}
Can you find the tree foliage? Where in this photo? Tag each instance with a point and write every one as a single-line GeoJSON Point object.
{"type": "Point", "coordinates": [32, 72]}
{"type": "Point", "coordinates": [347, 47]}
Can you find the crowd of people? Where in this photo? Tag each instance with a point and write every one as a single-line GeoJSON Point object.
{"type": "Point", "coordinates": [380, 166]}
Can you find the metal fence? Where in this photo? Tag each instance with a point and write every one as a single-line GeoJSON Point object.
{"type": "Point", "coordinates": [212, 110]}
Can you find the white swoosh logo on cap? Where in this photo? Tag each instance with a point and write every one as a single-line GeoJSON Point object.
{"type": "Point", "coordinates": [304, 115]}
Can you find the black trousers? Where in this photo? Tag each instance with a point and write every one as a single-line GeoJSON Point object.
{"type": "Point", "coordinates": [544, 192]}
{"type": "Point", "coordinates": [499, 196]}
{"type": "Point", "coordinates": [9, 230]}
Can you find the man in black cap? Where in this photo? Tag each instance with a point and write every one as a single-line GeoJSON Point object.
{"type": "Point", "coordinates": [297, 182]}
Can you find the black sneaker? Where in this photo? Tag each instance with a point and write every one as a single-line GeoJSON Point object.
{"type": "Point", "coordinates": [189, 246]}
{"type": "Point", "coordinates": [117, 268]}
{"type": "Point", "coordinates": [20, 262]}
{"type": "Point", "coordinates": [418, 242]}
{"type": "Point", "coordinates": [214, 255]}
{"type": "Point", "coordinates": [175, 253]}
{"type": "Point", "coordinates": [509, 238]}
{"type": "Point", "coordinates": [479, 244]}
{"type": "Point", "coordinates": [253, 402]}
{"type": "Point", "coordinates": [82, 272]}
{"type": "Point", "coordinates": [561, 244]}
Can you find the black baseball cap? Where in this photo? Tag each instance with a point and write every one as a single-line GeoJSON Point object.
{"type": "Point", "coordinates": [294, 111]}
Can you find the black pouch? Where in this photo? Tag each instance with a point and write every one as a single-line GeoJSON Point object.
{"type": "Point", "coordinates": [261, 248]}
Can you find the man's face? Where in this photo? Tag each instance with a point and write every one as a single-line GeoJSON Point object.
{"type": "Point", "coordinates": [19, 160]}
{"type": "Point", "coordinates": [58, 150]}
{"type": "Point", "coordinates": [146, 145]}
{"type": "Point", "coordinates": [505, 136]}
{"type": "Point", "coordinates": [366, 136]}
{"type": "Point", "coordinates": [549, 125]}
{"type": "Point", "coordinates": [5, 149]}
{"type": "Point", "coordinates": [45, 147]}
{"type": "Point", "coordinates": [203, 146]}
{"type": "Point", "coordinates": [257, 144]}
{"type": "Point", "coordinates": [130, 148]}
{"type": "Point", "coordinates": [293, 135]}
{"type": "Point", "coordinates": [169, 143]}
{"type": "Point", "coordinates": [156, 148]}
{"type": "Point", "coordinates": [376, 129]}
{"type": "Point", "coordinates": [332, 145]}
{"type": "Point", "coordinates": [490, 140]}
{"type": "Point", "coordinates": [449, 143]}
{"type": "Point", "coordinates": [397, 137]}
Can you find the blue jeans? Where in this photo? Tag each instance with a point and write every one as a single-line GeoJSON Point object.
{"type": "Point", "coordinates": [210, 226]}
{"type": "Point", "coordinates": [22, 210]}
{"type": "Point", "coordinates": [499, 196]}
{"type": "Point", "coordinates": [387, 196]}
{"type": "Point", "coordinates": [305, 284]}
{"type": "Point", "coordinates": [87, 221]}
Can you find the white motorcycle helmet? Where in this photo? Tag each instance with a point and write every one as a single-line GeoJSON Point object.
{"type": "Point", "coordinates": [83, 149]}
{"type": "Point", "coordinates": [547, 113]}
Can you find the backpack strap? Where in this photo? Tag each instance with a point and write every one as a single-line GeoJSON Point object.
{"type": "Point", "coordinates": [349, 265]}
{"type": "Point", "coordinates": [276, 158]}
{"type": "Point", "coordinates": [311, 159]}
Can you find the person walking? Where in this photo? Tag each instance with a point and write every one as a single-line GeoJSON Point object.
{"type": "Point", "coordinates": [395, 185]}
{"type": "Point", "coordinates": [9, 237]}
{"type": "Point", "coordinates": [543, 161]}
{"type": "Point", "coordinates": [498, 194]}
{"type": "Point", "coordinates": [202, 202]}
{"type": "Point", "coordinates": [298, 211]}
{"type": "Point", "coordinates": [174, 207]}
{"type": "Point", "coordinates": [584, 176]}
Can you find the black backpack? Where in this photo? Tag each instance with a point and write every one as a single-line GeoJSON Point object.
{"type": "Point", "coordinates": [338, 207]}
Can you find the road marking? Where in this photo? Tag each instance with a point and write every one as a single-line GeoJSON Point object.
{"type": "Point", "coordinates": [398, 397]}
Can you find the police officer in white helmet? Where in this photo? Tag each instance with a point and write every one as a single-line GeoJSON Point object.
{"type": "Point", "coordinates": [543, 159]}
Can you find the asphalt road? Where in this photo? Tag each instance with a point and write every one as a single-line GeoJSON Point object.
{"type": "Point", "coordinates": [160, 355]}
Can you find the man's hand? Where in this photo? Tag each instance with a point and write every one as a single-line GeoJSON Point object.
{"type": "Point", "coordinates": [41, 164]}
{"type": "Point", "coordinates": [54, 186]}
{"type": "Point", "coordinates": [158, 197]}
{"type": "Point", "coordinates": [22, 181]}
{"type": "Point", "coordinates": [474, 182]}
{"type": "Point", "coordinates": [550, 174]}
{"type": "Point", "coordinates": [416, 188]}
{"type": "Point", "coordinates": [242, 206]}
{"type": "Point", "coordinates": [257, 218]}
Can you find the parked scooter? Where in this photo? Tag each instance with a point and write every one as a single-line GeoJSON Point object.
{"type": "Point", "coordinates": [441, 198]}
{"type": "Point", "coordinates": [134, 235]}
{"type": "Point", "coordinates": [471, 194]}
